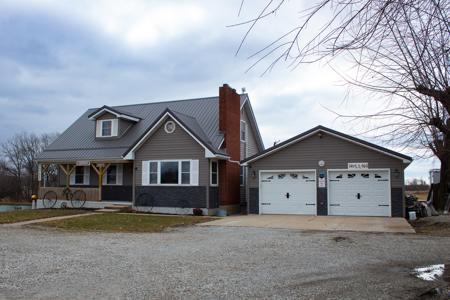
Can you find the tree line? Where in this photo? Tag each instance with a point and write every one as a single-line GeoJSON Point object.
{"type": "Point", "coordinates": [18, 165]}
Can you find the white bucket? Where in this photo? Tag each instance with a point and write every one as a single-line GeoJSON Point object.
{"type": "Point", "coordinates": [412, 216]}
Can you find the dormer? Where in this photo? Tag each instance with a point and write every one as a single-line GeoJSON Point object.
{"type": "Point", "coordinates": [111, 123]}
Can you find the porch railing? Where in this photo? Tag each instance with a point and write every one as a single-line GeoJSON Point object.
{"type": "Point", "coordinates": [91, 193]}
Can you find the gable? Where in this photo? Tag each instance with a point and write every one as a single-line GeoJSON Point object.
{"type": "Point", "coordinates": [160, 144]}
{"type": "Point", "coordinates": [105, 116]}
{"type": "Point", "coordinates": [320, 130]}
{"type": "Point", "coordinates": [336, 153]}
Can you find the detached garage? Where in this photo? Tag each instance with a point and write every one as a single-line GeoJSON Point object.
{"type": "Point", "coordinates": [325, 172]}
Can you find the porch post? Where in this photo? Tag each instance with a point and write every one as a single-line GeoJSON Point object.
{"type": "Point", "coordinates": [68, 170]}
{"type": "Point", "coordinates": [100, 169]}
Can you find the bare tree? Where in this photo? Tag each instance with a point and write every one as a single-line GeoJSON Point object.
{"type": "Point", "coordinates": [399, 52]}
{"type": "Point", "coordinates": [19, 160]}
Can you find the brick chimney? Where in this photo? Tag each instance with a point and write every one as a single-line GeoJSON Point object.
{"type": "Point", "coordinates": [229, 125]}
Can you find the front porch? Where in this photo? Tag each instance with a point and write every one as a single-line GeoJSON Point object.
{"type": "Point", "coordinates": [108, 182]}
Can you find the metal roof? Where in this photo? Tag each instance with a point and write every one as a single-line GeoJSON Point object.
{"type": "Point", "coordinates": [201, 116]}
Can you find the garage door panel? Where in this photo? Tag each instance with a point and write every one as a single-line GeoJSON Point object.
{"type": "Point", "coordinates": [363, 193]}
{"type": "Point", "coordinates": [290, 192]}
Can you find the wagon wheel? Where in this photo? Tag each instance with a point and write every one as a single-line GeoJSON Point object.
{"type": "Point", "coordinates": [145, 199]}
{"type": "Point", "coordinates": [78, 199]}
{"type": "Point", "coordinates": [49, 199]}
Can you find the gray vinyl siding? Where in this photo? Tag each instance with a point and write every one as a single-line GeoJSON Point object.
{"type": "Point", "coordinates": [251, 147]}
{"type": "Point", "coordinates": [177, 145]}
{"type": "Point", "coordinates": [336, 153]}
{"type": "Point", "coordinates": [106, 116]}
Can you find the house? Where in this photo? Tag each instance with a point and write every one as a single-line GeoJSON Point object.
{"type": "Point", "coordinates": [159, 156]}
{"type": "Point", "coordinates": [326, 172]}
{"type": "Point", "coordinates": [172, 157]}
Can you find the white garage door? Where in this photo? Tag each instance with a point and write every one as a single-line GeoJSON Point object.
{"type": "Point", "coordinates": [290, 192]}
{"type": "Point", "coordinates": [359, 193]}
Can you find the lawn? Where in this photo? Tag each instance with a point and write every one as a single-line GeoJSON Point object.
{"type": "Point", "coordinates": [33, 214]}
{"type": "Point", "coordinates": [114, 222]}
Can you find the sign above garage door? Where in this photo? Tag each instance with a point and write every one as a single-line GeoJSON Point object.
{"type": "Point", "coordinates": [358, 166]}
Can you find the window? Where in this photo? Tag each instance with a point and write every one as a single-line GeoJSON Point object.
{"type": "Point", "coordinates": [169, 127]}
{"type": "Point", "coordinates": [243, 131]}
{"type": "Point", "coordinates": [170, 172]}
{"type": "Point", "coordinates": [214, 173]}
{"type": "Point", "coordinates": [153, 172]}
{"type": "Point", "coordinates": [185, 172]}
{"type": "Point", "coordinates": [113, 175]}
{"type": "Point", "coordinates": [106, 127]}
{"type": "Point", "coordinates": [242, 176]}
{"type": "Point", "coordinates": [79, 175]}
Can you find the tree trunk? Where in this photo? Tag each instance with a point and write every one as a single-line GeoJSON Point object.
{"type": "Point", "coordinates": [443, 183]}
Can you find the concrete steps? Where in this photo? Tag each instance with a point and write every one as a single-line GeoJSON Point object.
{"type": "Point", "coordinates": [115, 208]}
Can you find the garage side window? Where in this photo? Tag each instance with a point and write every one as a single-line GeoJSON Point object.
{"type": "Point", "coordinates": [242, 176]}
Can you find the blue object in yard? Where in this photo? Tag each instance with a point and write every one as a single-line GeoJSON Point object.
{"type": "Point", "coordinates": [9, 207]}
{"type": "Point", "coordinates": [221, 213]}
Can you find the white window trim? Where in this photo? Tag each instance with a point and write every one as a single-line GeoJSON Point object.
{"type": "Point", "coordinates": [119, 175]}
{"type": "Point", "coordinates": [114, 128]}
{"type": "Point", "coordinates": [245, 131]}
{"type": "Point", "coordinates": [86, 176]}
{"type": "Point", "coordinates": [179, 161]}
{"type": "Point", "coordinates": [211, 173]}
{"type": "Point", "coordinates": [170, 122]}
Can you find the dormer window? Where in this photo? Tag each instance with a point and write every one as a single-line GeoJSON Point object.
{"type": "Point", "coordinates": [107, 128]}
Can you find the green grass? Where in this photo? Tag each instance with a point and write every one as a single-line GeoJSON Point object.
{"type": "Point", "coordinates": [113, 222]}
{"type": "Point", "coordinates": [34, 214]}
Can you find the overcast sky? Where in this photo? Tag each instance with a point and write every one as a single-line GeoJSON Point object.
{"type": "Point", "coordinates": [59, 58]}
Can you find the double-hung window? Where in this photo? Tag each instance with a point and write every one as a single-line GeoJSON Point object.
{"type": "Point", "coordinates": [106, 127]}
{"type": "Point", "coordinates": [113, 175]}
{"type": "Point", "coordinates": [80, 176]}
{"type": "Point", "coordinates": [153, 172]}
{"type": "Point", "coordinates": [170, 172]}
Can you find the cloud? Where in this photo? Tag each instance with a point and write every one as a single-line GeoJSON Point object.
{"type": "Point", "coordinates": [59, 58]}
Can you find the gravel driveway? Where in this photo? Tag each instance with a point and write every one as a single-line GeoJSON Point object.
{"type": "Point", "coordinates": [214, 263]}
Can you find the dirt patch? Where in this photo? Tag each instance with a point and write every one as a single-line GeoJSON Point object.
{"type": "Point", "coordinates": [438, 225]}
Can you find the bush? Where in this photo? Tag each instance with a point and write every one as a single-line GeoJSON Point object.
{"type": "Point", "coordinates": [197, 212]}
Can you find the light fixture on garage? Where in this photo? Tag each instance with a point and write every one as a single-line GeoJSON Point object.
{"type": "Point", "coordinates": [396, 173]}
{"type": "Point", "coordinates": [321, 163]}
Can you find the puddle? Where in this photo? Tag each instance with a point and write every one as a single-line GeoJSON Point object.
{"type": "Point", "coordinates": [433, 273]}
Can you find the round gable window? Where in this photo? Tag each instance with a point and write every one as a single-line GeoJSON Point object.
{"type": "Point", "coordinates": [169, 127]}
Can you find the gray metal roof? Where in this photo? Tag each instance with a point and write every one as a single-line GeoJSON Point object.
{"type": "Point", "coordinates": [78, 142]}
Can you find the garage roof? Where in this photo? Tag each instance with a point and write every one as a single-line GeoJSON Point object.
{"type": "Point", "coordinates": [320, 128]}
